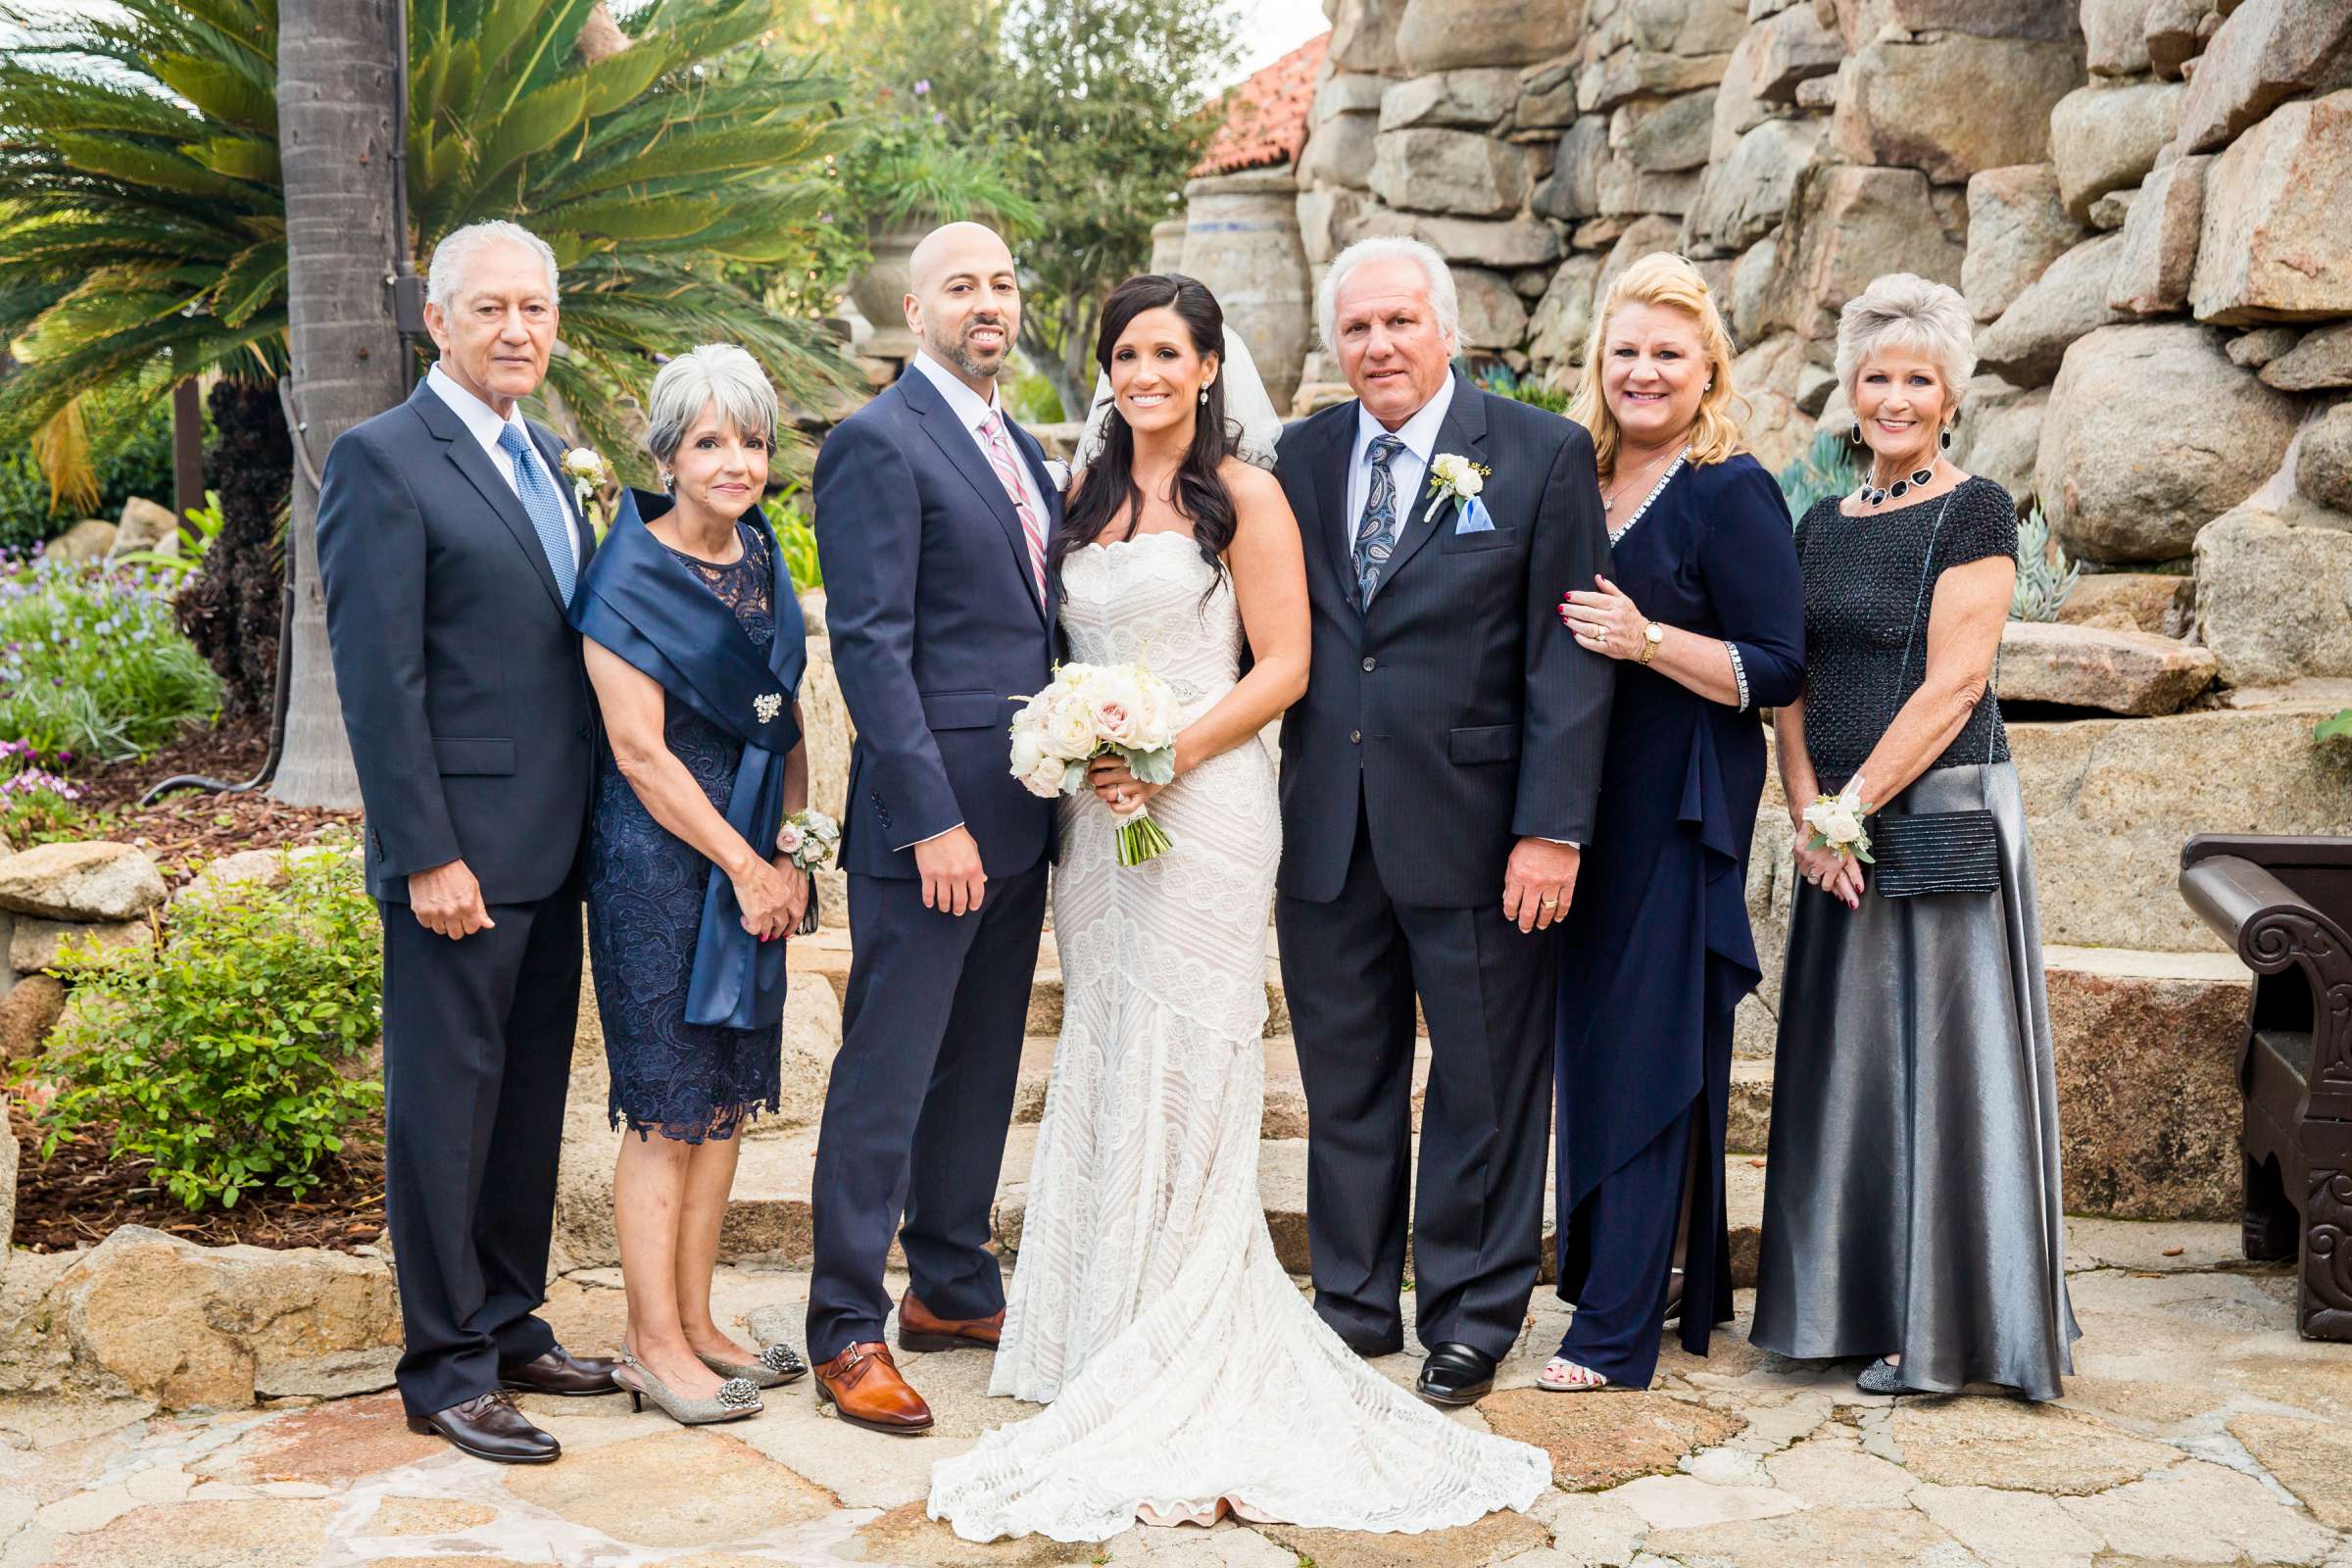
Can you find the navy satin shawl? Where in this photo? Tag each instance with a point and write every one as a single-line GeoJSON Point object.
{"type": "Point", "coordinates": [647, 606]}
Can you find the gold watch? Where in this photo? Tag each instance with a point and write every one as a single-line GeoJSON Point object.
{"type": "Point", "coordinates": [1653, 636]}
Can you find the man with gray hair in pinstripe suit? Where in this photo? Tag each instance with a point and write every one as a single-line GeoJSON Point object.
{"type": "Point", "coordinates": [1437, 779]}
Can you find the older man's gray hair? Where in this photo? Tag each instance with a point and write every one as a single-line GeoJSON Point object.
{"type": "Point", "coordinates": [1902, 310]}
{"type": "Point", "coordinates": [719, 378]}
{"type": "Point", "coordinates": [1384, 248]}
{"type": "Point", "coordinates": [460, 246]}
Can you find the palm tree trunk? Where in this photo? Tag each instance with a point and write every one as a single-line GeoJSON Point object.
{"type": "Point", "coordinates": [339, 118]}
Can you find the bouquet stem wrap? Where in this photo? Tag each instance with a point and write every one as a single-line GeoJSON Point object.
{"type": "Point", "coordinates": [1141, 839]}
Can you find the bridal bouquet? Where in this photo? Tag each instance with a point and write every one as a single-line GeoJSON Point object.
{"type": "Point", "coordinates": [1089, 711]}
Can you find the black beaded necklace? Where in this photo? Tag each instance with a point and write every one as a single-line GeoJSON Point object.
{"type": "Point", "coordinates": [1873, 495]}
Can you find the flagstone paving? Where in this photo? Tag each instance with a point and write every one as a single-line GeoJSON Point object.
{"type": "Point", "coordinates": [2197, 1430]}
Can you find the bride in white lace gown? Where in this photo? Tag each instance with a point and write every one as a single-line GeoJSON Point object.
{"type": "Point", "coordinates": [1184, 1371]}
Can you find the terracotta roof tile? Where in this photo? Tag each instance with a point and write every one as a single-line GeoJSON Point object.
{"type": "Point", "coordinates": [1265, 120]}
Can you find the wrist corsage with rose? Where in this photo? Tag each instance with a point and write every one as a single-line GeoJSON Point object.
{"type": "Point", "coordinates": [808, 840]}
{"type": "Point", "coordinates": [1837, 823]}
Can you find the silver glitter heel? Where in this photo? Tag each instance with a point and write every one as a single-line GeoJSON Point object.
{"type": "Point", "coordinates": [1881, 1377]}
{"type": "Point", "coordinates": [778, 1365]}
{"type": "Point", "coordinates": [735, 1399]}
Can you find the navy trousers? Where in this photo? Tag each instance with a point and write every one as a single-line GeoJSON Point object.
{"type": "Point", "coordinates": [920, 1097]}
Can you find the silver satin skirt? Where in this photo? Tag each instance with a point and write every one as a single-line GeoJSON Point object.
{"type": "Point", "coordinates": [1911, 1198]}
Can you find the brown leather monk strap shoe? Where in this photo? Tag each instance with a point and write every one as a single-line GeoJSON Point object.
{"type": "Point", "coordinates": [919, 1328]}
{"type": "Point", "coordinates": [489, 1427]}
{"type": "Point", "coordinates": [559, 1371]}
{"type": "Point", "coordinates": [863, 1386]}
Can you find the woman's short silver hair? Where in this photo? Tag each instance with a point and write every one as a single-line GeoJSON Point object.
{"type": "Point", "coordinates": [1903, 310]}
{"type": "Point", "coordinates": [1384, 248]}
{"type": "Point", "coordinates": [716, 375]}
{"type": "Point", "coordinates": [447, 271]}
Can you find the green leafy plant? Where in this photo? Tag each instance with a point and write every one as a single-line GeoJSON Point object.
{"type": "Point", "coordinates": [908, 166]}
{"type": "Point", "coordinates": [1033, 400]}
{"type": "Point", "coordinates": [124, 450]}
{"type": "Point", "coordinates": [38, 803]}
{"type": "Point", "coordinates": [205, 524]}
{"type": "Point", "coordinates": [92, 662]}
{"type": "Point", "coordinates": [233, 1056]}
{"type": "Point", "coordinates": [1503, 384]}
{"type": "Point", "coordinates": [2044, 576]}
{"type": "Point", "coordinates": [1827, 468]}
{"type": "Point", "coordinates": [2335, 730]}
{"type": "Point", "coordinates": [796, 536]}
{"type": "Point", "coordinates": [144, 237]}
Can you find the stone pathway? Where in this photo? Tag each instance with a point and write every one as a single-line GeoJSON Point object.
{"type": "Point", "coordinates": [2198, 1429]}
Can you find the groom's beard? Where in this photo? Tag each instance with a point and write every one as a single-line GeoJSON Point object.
{"type": "Point", "coordinates": [960, 353]}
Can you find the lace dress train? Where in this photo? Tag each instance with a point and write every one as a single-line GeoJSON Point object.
{"type": "Point", "coordinates": [1182, 1366]}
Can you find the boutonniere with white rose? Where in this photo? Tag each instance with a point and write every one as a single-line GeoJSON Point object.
{"type": "Point", "coordinates": [1837, 823]}
{"type": "Point", "coordinates": [588, 472]}
{"type": "Point", "coordinates": [1455, 477]}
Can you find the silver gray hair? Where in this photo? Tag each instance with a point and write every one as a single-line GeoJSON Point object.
{"type": "Point", "coordinates": [716, 375]}
{"type": "Point", "coordinates": [1384, 248]}
{"type": "Point", "coordinates": [1903, 310]}
{"type": "Point", "coordinates": [461, 245]}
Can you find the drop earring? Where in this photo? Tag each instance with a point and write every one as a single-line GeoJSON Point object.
{"type": "Point", "coordinates": [1946, 440]}
{"type": "Point", "coordinates": [1856, 437]}
{"type": "Point", "coordinates": [1204, 397]}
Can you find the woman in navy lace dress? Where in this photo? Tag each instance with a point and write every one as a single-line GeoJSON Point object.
{"type": "Point", "coordinates": [694, 647]}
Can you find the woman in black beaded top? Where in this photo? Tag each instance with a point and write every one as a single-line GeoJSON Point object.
{"type": "Point", "coordinates": [1911, 1208]}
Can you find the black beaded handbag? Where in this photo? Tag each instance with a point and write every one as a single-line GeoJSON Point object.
{"type": "Point", "coordinates": [1935, 851]}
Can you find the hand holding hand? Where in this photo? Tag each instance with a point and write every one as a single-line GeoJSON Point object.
{"type": "Point", "coordinates": [763, 894]}
{"type": "Point", "coordinates": [448, 902]}
{"type": "Point", "coordinates": [1115, 785]}
{"type": "Point", "coordinates": [1538, 882]}
{"type": "Point", "coordinates": [796, 904]}
{"type": "Point", "coordinates": [953, 881]}
{"type": "Point", "coordinates": [1838, 875]}
{"type": "Point", "coordinates": [1605, 621]}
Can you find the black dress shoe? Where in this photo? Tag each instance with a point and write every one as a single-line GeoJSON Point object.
{"type": "Point", "coordinates": [559, 1372]}
{"type": "Point", "coordinates": [1455, 1374]}
{"type": "Point", "coordinates": [1372, 1349]}
{"type": "Point", "coordinates": [489, 1427]}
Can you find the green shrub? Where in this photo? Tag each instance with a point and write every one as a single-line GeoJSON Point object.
{"type": "Point", "coordinates": [91, 664]}
{"type": "Point", "coordinates": [227, 1057]}
{"type": "Point", "coordinates": [1827, 468]}
{"type": "Point", "coordinates": [1503, 384]}
{"type": "Point", "coordinates": [39, 803]}
{"type": "Point", "coordinates": [2044, 576]}
{"type": "Point", "coordinates": [796, 536]}
{"type": "Point", "coordinates": [1032, 399]}
{"type": "Point", "coordinates": [131, 454]}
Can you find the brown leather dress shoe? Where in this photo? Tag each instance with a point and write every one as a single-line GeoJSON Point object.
{"type": "Point", "coordinates": [559, 1372]}
{"type": "Point", "coordinates": [863, 1386]}
{"type": "Point", "coordinates": [921, 1330]}
{"type": "Point", "coordinates": [489, 1427]}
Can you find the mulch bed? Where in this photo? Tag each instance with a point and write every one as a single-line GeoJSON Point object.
{"type": "Point", "coordinates": [78, 1196]}
{"type": "Point", "coordinates": [189, 827]}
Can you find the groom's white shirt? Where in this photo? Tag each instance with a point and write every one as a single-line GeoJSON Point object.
{"type": "Point", "coordinates": [1408, 468]}
{"type": "Point", "coordinates": [972, 414]}
{"type": "Point", "coordinates": [484, 425]}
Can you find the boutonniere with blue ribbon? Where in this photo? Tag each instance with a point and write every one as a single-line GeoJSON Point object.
{"type": "Point", "coordinates": [1451, 475]}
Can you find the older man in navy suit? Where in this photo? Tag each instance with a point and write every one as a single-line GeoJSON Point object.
{"type": "Point", "coordinates": [449, 546]}
{"type": "Point", "coordinates": [933, 509]}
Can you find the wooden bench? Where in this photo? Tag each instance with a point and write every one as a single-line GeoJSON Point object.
{"type": "Point", "coordinates": [2284, 904]}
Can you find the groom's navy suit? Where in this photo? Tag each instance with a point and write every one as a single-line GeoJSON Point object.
{"type": "Point", "coordinates": [1443, 722]}
{"type": "Point", "coordinates": [474, 731]}
{"type": "Point", "coordinates": [938, 624]}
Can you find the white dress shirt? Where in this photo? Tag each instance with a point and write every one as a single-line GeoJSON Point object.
{"type": "Point", "coordinates": [972, 414]}
{"type": "Point", "coordinates": [484, 422]}
{"type": "Point", "coordinates": [1408, 468]}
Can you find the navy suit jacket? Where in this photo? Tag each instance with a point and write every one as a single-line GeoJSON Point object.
{"type": "Point", "coordinates": [1457, 709]}
{"type": "Point", "coordinates": [937, 628]}
{"type": "Point", "coordinates": [463, 687]}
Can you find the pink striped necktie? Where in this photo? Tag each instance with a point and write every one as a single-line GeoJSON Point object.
{"type": "Point", "coordinates": [1032, 528]}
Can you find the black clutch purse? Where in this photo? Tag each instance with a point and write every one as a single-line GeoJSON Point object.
{"type": "Point", "coordinates": [1935, 851]}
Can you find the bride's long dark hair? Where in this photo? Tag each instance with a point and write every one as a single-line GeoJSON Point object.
{"type": "Point", "coordinates": [1108, 490]}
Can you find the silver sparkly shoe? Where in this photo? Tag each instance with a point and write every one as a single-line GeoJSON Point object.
{"type": "Point", "coordinates": [1881, 1377]}
{"type": "Point", "coordinates": [778, 1365]}
{"type": "Point", "coordinates": [735, 1399]}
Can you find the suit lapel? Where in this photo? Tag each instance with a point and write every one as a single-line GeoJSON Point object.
{"type": "Point", "coordinates": [1462, 432]}
{"type": "Point", "coordinates": [473, 462]}
{"type": "Point", "coordinates": [1333, 530]}
{"type": "Point", "coordinates": [961, 448]}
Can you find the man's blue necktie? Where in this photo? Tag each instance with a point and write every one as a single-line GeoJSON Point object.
{"type": "Point", "coordinates": [546, 508]}
{"type": "Point", "coordinates": [1376, 535]}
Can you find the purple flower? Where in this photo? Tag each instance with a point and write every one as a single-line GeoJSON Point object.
{"type": "Point", "coordinates": [923, 88]}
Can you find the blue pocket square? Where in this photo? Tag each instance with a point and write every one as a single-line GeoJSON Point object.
{"type": "Point", "coordinates": [1472, 517]}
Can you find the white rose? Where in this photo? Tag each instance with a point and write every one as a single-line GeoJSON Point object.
{"type": "Point", "coordinates": [1839, 825]}
{"type": "Point", "coordinates": [1468, 483]}
{"type": "Point", "coordinates": [1447, 467]}
{"type": "Point", "coordinates": [1043, 780]}
{"type": "Point", "coordinates": [583, 463]}
{"type": "Point", "coordinates": [790, 838]}
{"type": "Point", "coordinates": [1028, 749]}
{"type": "Point", "coordinates": [1070, 731]}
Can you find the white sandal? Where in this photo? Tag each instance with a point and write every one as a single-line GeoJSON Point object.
{"type": "Point", "coordinates": [1563, 1376]}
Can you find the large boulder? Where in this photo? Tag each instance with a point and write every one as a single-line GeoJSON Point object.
{"type": "Point", "coordinates": [2161, 604]}
{"type": "Point", "coordinates": [1449, 172]}
{"type": "Point", "coordinates": [145, 525]}
{"type": "Point", "coordinates": [87, 540]}
{"type": "Point", "coordinates": [2159, 254]}
{"type": "Point", "coordinates": [2151, 433]}
{"type": "Point", "coordinates": [1442, 34]}
{"type": "Point", "coordinates": [1642, 236]}
{"type": "Point", "coordinates": [1744, 197]}
{"type": "Point", "coordinates": [2320, 359]}
{"type": "Point", "coordinates": [1630, 191]}
{"type": "Point", "coordinates": [1508, 243]}
{"type": "Point", "coordinates": [1783, 51]}
{"type": "Point", "coordinates": [1475, 99]}
{"type": "Point", "coordinates": [2115, 37]}
{"type": "Point", "coordinates": [7, 1194]}
{"type": "Point", "coordinates": [1631, 74]}
{"type": "Point", "coordinates": [1951, 103]}
{"type": "Point", "coordinates": [1363, 36]}
{"type": "Point", "coordinates": [1572, 190]}
{"type": "Point", "coordinates": [2277, 211]}
{"type": "Point", "coordinates": [2030, 341]}
{"type": "Point", "coordinates": [2265, 52]}
{"type": "Point", "coordinates": [27, 1013]}
{"type": "Point", "coordinates": [2323, 460]}
{"type": "Point", "coordinates": [1341, 150]}
{"type": "Point", "coordinates": [2105, 138]}
{"type": "Point", "coordinates": [1330, 219]}
{"type": "Point", "coordinates": [1664, 135]}
{"type": "Point", "coordinates": [193, 1326]}
{"type": "Point", "coordinates": [1999, 432]}
{"type": "Point", "coordinates": [1849, 225]}
{"type": "Point", "coordinates": [2170, 31]}
{"type": "Point", "coordinates": [1563, 318]}
{"type": "Point", "coordinates": [68, 946]}
{"type": "Point", "coordinates": [1492, 315]}
{"type": "Point", "coordinates": [2098, 666]}
{"type": "Point", "coordinates": [2016, 228]}
{"type": "Point", "coordinates": [827, 731]}
{"type": "Point", "coordinates": [95, 881]}
{"type": "Point", "coordinates": [1860, 20]}
{"type": "Point", "coordinates": [2272, 593]}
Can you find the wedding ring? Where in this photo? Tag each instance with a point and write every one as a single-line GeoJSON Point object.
{"type": "Point", "coordinates": [1549, 903]}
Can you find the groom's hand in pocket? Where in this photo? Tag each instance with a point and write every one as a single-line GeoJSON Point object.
{"type": "Point", "coordinates": [448, 902]}
{"type": "Point", "coordinates": [1537, 883]}
{"type": "Point", "coordinates": [952, 880]}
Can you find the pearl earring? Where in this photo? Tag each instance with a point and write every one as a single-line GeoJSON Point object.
{"type": "Point", "coordinates": [1204, 397]}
